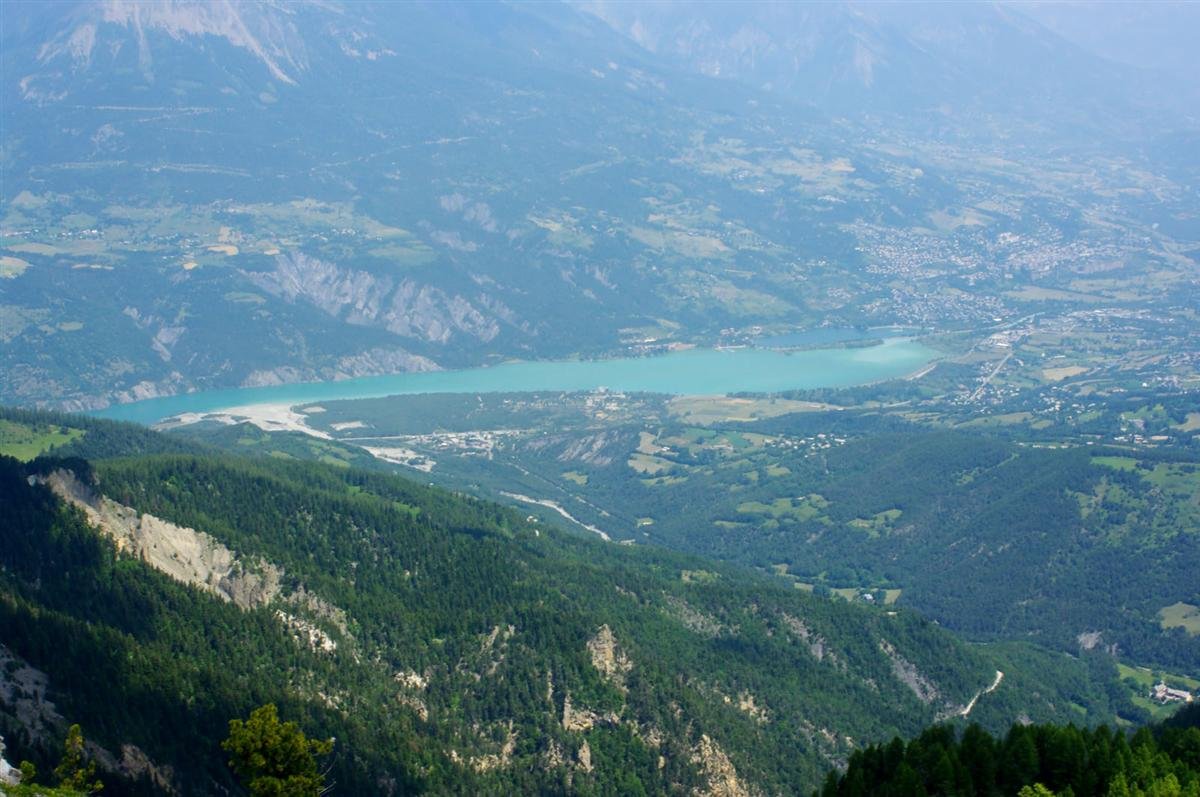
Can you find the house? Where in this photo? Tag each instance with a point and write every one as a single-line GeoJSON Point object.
{"type": "Point", "coordinates": [1165, 694]}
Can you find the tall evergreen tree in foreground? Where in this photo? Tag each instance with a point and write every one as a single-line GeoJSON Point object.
{"type": "Point", "coordinates": [273, 758]}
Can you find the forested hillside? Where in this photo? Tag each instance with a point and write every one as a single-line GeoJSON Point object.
{"type": "Point", "coordinates": [686, 397]}
{"type": "Point", "coordinates": [447, 643]}
{"type": "Point", "coordinates": [994, 532]}
{"type": "Point", "coordinates": [1031, 761]}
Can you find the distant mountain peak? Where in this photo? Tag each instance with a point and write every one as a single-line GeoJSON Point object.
{"type": "Point", "coordinates": [111, 29]}
{"type": "Point", "coordinates": [263, 29]}
{"type": "Point", "coordinates": [848, 56]}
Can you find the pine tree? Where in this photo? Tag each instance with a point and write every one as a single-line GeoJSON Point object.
{"type": "Point", "coordinates": [1118, 787]}
{"type": "Point", "coordinates": [73, 772]}
{"type": "Point", "coordinates": [273, 758]}
{"type": "Point", "coordinates": [1036, 790]}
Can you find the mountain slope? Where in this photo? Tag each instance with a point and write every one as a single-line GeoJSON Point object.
{"type": "Point", "coordinates": [212, 195]}
{"type": "Point", "coordinates": [449, 644]}
{"type": "Point", "coordinates": [901, 61]}
{"type": "Point", "coordinates": [995, 531]}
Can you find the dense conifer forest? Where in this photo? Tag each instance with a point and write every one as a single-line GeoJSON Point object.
{"type": "Point", "coordinates": [448, 644]}
{"type": "Point", "coordinates": [1031, 761]}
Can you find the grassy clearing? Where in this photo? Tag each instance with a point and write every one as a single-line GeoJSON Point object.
{"type": "Point", "coordinates": [1145, 677]}
{"type": "Point", "coordinates": [707, 410]}
{"type": "Point", "coordinates": [12, 267]}
{"type": "Point", "coordinates": [329, 459]}
{"type": "Point", "coordinates": [1191, 423]}
{"type": "Point", "coordinates": [27, 442]}
{"type": "Point", "coordinates": [1181, 615]}
{"type": "Point", "coordinates": [1146, 413]}
{"type": "Point", "coordinates": [649, 465]}
{"type": "Point", "coordinates": [777, 508]}
{"type": "Point", "coordinates": [1116, 463]}
{"type": "Point", "coordinates": [693, 436]}
{"type": "Point", "coordinates": [1063, 372]}
{"type": "Point", "coordinates": [663, 481]}
{"type": "Point", "coordinates": [647, 444]}
{"type": "Point", "coordinates": [576, 477]}
{"type": "Point", "coordinates": [1182, 480]}
{"type": "Point", "coordinates": [879, 523]}
{"type": "Point", "coordinates": [1142, 675]}
{"type": "Point", "coordinates": [1031, 293]}
{"type": "Point", "coordinates": [35, 248]}
{"type": "Point", "coordinates": [1005, 419]}
{"type": "Point", "coordinates": [1157, 711]}
{"type": "Point", "coordinates": [689, 244]}
{"type": "Point", "coordinates": [328, 453]}
{"type": "Point", "coordinates": [809, 507]}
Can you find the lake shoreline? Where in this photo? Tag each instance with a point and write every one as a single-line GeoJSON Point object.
{"type": "Point", "coordinates": [683, 372]}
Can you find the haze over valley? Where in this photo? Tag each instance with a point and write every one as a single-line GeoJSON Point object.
{"type": "Point", "coordinates": [600, 397]}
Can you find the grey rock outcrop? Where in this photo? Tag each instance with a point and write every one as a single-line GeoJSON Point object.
{"type": "Point", "coordinates": [185, 554]}
{"type": "Point", "coordinates": [402, 306]}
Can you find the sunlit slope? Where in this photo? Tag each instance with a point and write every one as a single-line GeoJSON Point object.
{"type": "Point", "coordinates": [447, 643]}
{"type": "Point", "coordinates": [207, 196]}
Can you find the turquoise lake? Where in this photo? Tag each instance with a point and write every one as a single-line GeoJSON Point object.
{"type": "Point", "coordinates": [690, 372]}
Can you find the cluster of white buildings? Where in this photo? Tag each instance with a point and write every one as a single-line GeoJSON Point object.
{"type": "Point", "coordinates": [1165, 694]}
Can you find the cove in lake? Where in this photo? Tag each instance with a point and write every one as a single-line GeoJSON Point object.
{"type": "Point", "coordinates": [690, 372]}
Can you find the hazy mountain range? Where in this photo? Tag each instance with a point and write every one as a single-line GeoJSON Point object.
{"type": "Point", "coordinates": [227, 195]}
{"type": "Point", "coordinates": [368, 188]}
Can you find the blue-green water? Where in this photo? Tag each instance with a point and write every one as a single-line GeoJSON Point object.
{"type": "Point", "coordinates": [692, 372]}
